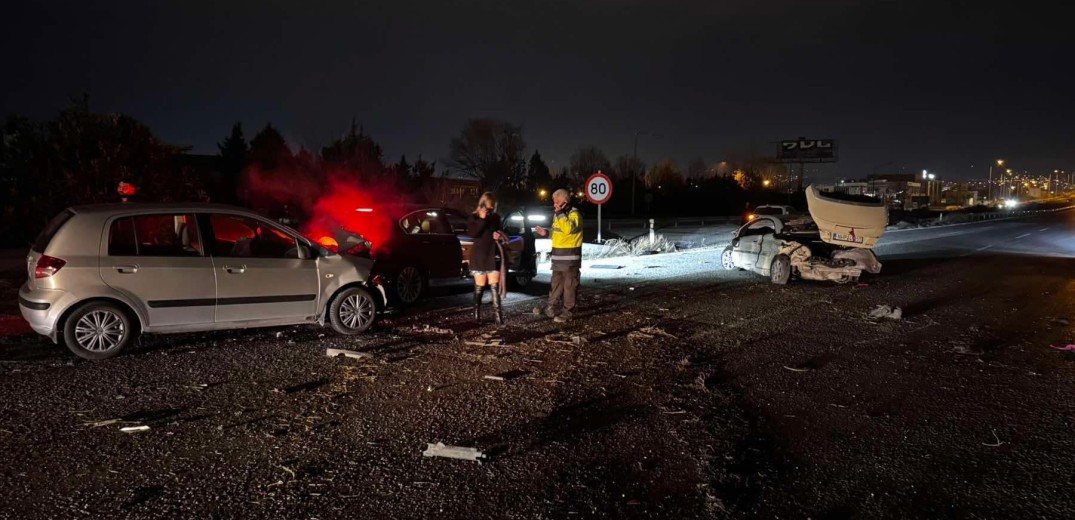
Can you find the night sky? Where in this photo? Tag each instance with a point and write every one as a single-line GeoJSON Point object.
{"type": "Point", "coordinates": [937, 85]}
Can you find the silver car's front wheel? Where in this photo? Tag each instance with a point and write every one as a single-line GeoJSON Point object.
{"type": "Point", "coordinates": [97, 331]}
{"type": "Point", "coordinates": [353, 311]}
{"type": "Point", "coordinates": [726, 259]}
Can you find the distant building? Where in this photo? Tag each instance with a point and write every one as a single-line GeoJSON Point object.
{"type": "Point", "coordinates": [899, 191]}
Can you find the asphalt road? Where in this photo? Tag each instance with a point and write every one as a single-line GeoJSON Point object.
{"type": "Point", "coordinates": [680, 391]}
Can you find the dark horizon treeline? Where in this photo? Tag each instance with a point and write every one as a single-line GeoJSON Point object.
{"type": "Point", "coordinates": [80, 157]}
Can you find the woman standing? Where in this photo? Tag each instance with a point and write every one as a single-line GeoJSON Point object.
{"type": "Point", "coordinates": [484, 228]}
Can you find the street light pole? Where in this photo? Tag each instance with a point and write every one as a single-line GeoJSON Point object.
{"type": "Point", "coordinates": [1000, 162]}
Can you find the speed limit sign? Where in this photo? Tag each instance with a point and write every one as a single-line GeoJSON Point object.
{"type": "Point", "coordinates": [598, 188]}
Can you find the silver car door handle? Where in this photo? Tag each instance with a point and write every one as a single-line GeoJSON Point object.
{"type": "Point", "coordinates": [235, 270]}
{"type": "Point", "coordinates": [126, 269]}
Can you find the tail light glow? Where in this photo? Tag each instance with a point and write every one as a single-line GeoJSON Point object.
{"type": "Point", "coordinates": [48, 266]}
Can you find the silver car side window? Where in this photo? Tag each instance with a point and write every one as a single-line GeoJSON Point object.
{"type": "Point", "coordinates": [243, 237]}
{"type": "Point", "coordinates": [155, 235]}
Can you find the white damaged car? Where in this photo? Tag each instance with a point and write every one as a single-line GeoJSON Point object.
{"type": "Point", "coordinates": [834, 243]}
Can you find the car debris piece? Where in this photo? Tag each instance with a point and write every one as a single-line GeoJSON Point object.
{"type": "Point", "coordinates": [98, 424]}
{"type": "Point", "coordinates": [606, 266]}
{"type": "Point", "coordinates": [1068, 348]}
{"type": "Point", "coordinates": [336, 352]}
{"type": "Point", "coordinates": [134, 429]}
{"type": "Point", "coordinates": [656, 331]}
{"type": "Point", "coordinates": [506, 376]}
{"type": "Point", "coordinates": [565, 339]}
{"type": "Point", "coordinates": [884, 311]}
{"type": "Point", "coordinates": [453, 452]}
{"type": "Point", "coordinates": [485, 340]}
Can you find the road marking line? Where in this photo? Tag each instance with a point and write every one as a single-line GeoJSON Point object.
{"type": "Point", "coordinates": [1043, 229]}
{"type": "Point", "coordinates": [1021, 236]}
{"type": "Point", "coordinates": [984, 247]}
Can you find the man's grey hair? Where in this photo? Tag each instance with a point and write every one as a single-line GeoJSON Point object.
{"type": "Point", "coordinates": [561, 194]}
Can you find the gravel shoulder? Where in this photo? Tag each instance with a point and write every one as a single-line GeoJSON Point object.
{"type": "Point", "coordinates": [689, 392]}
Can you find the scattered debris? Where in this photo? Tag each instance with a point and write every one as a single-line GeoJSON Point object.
{"type": "Point", "coordinates": [429, 329]}
{"type": "Point", "coordinates": [796, 369]}
{"type": "Point", "coordinates": [565, 339]}
{"type": "Point", "coordinates": [134, 429]}
{"type": "Point", "coordinates": [1068, 348]}
{"type": "Point", "coordinates": [507, 376]}
{"type": "Point", "coordinates": [1059, 321]}
{"type": "Point", "coordinates": [606, 266]}
{"type": "Point", "coordinates": [486, 340]}
{"type": "Point", "coordinates": [656, 331]}
{"type": "Point", "coordinates": [279, 335]}
{"type": "Point", "coordinates": [635, 334]}
{"type": "Point", "coordinates": [996, 444]}
{"type": "Point", "coordinates": [98, 424]}
{"type": "Point", "coordinates": [884, 311]}
{"type": "Point", "coordinates": [453, 452]}
{"type": "Point", "coordinates": [354, 354]}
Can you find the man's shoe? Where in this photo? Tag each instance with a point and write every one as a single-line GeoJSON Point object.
{"type": "Point", "coordinates": [564, 317]}
{"type": "Point", "coordinates": [550, 313]}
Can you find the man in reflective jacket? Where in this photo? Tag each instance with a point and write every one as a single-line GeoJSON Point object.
{"type": "Point", "coordinates": [566, 255]}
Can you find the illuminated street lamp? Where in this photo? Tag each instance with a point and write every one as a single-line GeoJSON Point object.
{"type": "Point", "coordinates": [542, 193]}
{"type": "Point", "coordinates": [766, 183]}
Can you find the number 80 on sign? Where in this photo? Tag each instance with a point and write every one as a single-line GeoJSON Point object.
{"type": "Point", "coordinates": [598, 188]}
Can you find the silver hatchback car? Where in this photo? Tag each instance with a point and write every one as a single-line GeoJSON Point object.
{"type": "Point", "coordinates": [100, 275]}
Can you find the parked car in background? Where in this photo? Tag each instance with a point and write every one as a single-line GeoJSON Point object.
{"type": "Point", "coordinates": [101, 275]}
{"type": "Point", "coordinates": [419, 251]}
{"type": "Point", "coordinates": [769, 210]}
{"type": "Point", "coordinates": [522, 259]}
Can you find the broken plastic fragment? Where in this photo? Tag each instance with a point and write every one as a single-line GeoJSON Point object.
{"type": "Point", "coordinates": [884, 311]}
{"type": "Point", "coordinates": [134, 429]}
{"type": "Point", "coordinates": [453, 452]}
{"type": "Point", "coordinates": [335, 352]}
{"type": "Point", "coordinates": [1068, 348]}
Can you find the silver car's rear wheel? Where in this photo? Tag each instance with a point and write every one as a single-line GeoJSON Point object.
{"type": "Point", "coordinates": [353, 311]}
{"type": "Point", "coordinates": [780, 270]}
{"type": "Point", "coordinates": [97, 331]}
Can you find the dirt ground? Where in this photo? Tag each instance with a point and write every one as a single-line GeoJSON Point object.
{"type": "Point", "coordinates": [712, 394]}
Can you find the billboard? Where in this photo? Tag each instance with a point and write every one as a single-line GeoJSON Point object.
{"type": "Point", "coordinates": [807, 150]}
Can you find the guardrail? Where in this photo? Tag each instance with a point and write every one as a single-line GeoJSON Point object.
{"type": "Point", "coordinates": [978, 217]}
{"type": "Point", "coordinates": [611, 224]}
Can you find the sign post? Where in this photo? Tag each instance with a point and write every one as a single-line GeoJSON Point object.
{"type": "Point", "coordinates": [803, 150]}
{"type": "Point", "coordinates": [598, 191]}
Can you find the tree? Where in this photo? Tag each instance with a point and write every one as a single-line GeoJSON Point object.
{"type": "Point", "coordinates": [490, 151]}
{"type": "Point", "coordinates": [697, 169]}
{"type": "Point", "coordinates": [538, 175]}
{"type": "Point", "coordinates": [268, 149]}
{"type": "Point", "coordinates": [233, 151]}
{"type": "Point", "coordinates": [628, 166]}
{"type": "Point", "coordinates": [750, 166]}
{"type": "Point", "coordinates": [80, 157]}
{"type": "Point", "coordinates": [401, 171]}
{"type": "Point", "coordinates": [356, 155]}
{"type": "Point", "coordinates": [586, 161]}
{"type": "Point", "coordinates": [663, 175]}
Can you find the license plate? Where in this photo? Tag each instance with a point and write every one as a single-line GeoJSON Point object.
{"type": "Point", "coordinates": [847, 237]}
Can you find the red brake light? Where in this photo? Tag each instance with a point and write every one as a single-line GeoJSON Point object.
{"type": "Point", "coordinates": [48, 266]}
